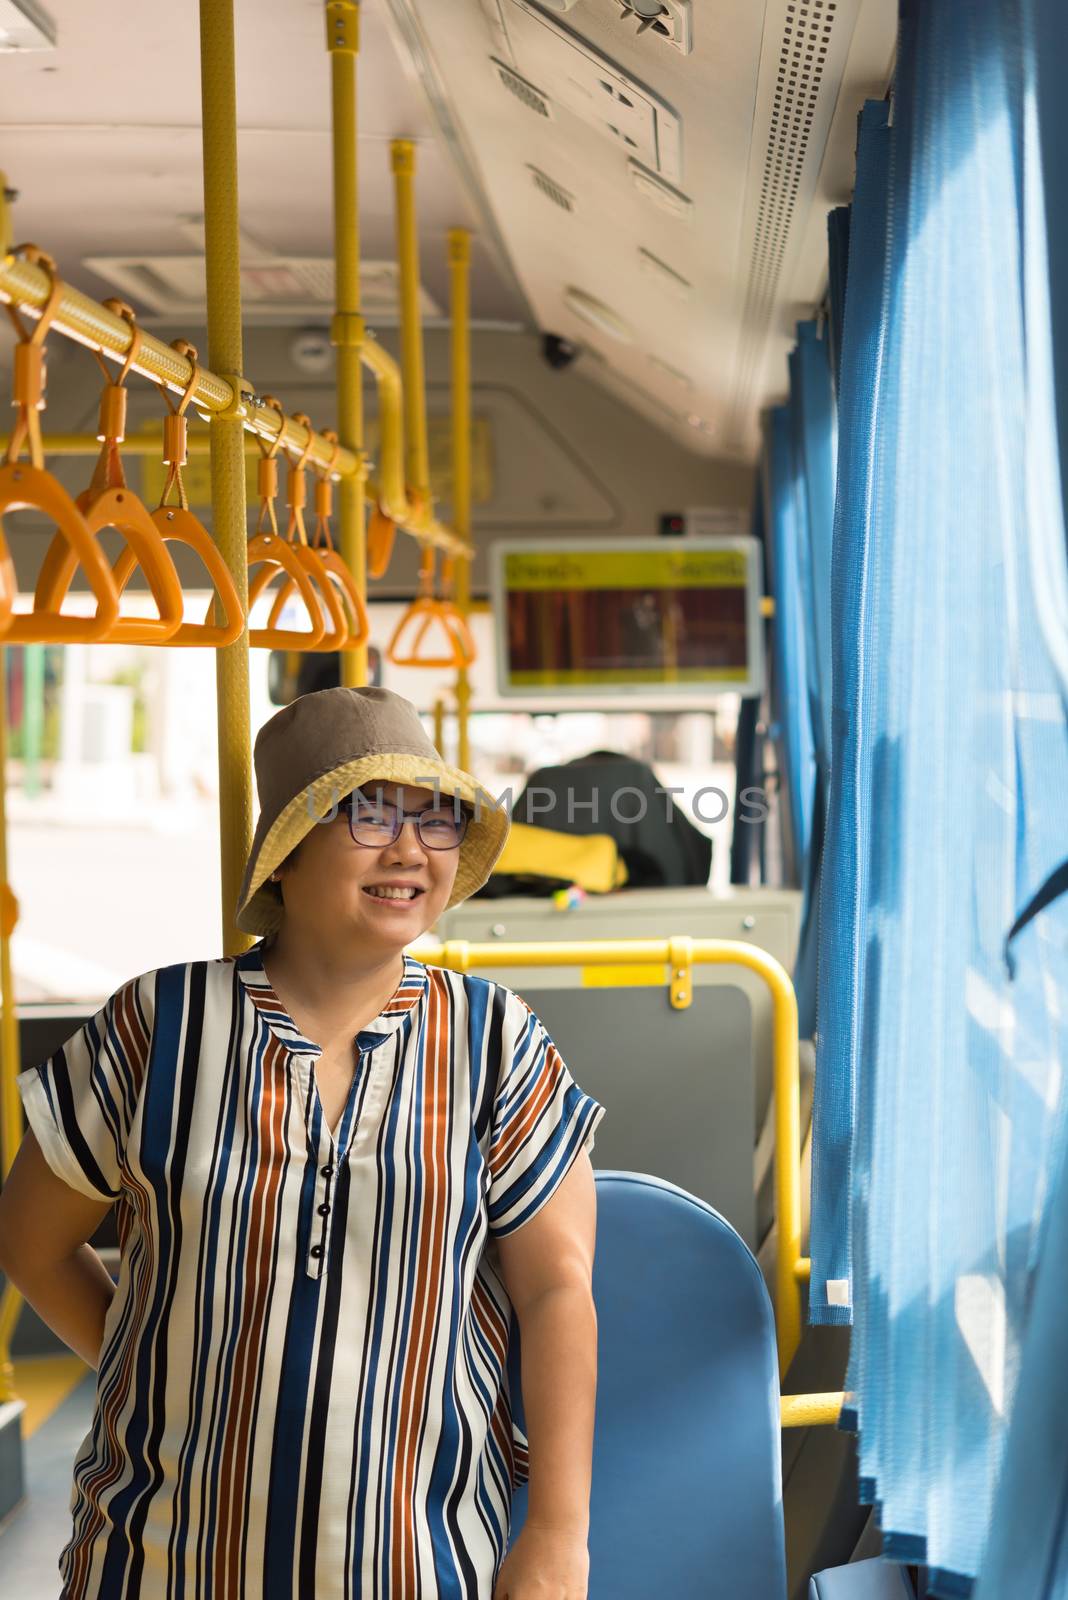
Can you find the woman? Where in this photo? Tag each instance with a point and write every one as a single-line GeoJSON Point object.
{"type": "Point", "coordinates": [337, 1174]}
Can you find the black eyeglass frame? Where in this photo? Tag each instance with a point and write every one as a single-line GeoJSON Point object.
{"type": "Point", "coordinates": [459, 812]}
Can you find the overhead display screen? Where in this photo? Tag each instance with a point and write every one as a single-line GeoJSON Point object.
{"type": "Point", "coordinates": [609, 619]}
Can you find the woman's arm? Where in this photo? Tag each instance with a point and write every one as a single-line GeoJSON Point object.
{"type": "Point", "coordinates": [547, 1267]}
{"type": "Point", "coordinates": [44, 1225]}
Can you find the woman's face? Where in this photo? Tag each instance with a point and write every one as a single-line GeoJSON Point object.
{"type": "Point", "coordinates": [386, 895]}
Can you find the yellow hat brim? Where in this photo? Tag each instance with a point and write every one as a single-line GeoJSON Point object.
{"type": "Point", "coordinates": [259, 909]}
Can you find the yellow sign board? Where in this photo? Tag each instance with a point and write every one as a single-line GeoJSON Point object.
{"type": "Point", "coordinates": [677, 617]}
{"type": "Point", "coordinates": [625, 569]}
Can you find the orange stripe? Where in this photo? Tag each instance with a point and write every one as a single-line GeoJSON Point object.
{"type": "Point", "coordinates": [427, 1287]}
{"type": "Point", "coordinates": [111, 1467]}
{"type": "Point", "coordinates": [517, 1133]}
{"type": "Point", "coordinates": [227, 1555]}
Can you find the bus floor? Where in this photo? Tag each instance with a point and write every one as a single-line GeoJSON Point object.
{"type": "Point", "coordinates": [58, 1391]}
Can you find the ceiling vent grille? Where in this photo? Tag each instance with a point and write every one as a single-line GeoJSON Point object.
{"type": "Point", "coordinates": [660, 193]}
{"type": "Point", "coordinates": [551, 189]}
{"type": "Point", "coordinates": [669, 20]}
{"type": "Point", "coordinates": [525, 92]}
{"type": "Point", "coordinates": [800, 75]}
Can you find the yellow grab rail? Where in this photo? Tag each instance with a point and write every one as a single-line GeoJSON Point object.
{"type": "Point", "coordinates": [26, 286]}
{"type": "Point", "coordinates": [677, 955]}
{"type": "Point", "coordinates": [218, 97]}
{"type": "Point", "coordinates": [347, 332]}
{"type": "Point", "coordinates": [460, 305]}
{"type": "Point", "coordinates": [10, 1104]}
{"type": "Point", "coordinates": [810, 1410]}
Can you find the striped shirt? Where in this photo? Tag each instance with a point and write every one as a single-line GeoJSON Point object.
{"type": "Point", "coordinates": [303, 1389]}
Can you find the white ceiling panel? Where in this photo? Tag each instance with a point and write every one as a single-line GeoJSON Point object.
{"type": "Point", "coordinates": [101, 137]}
{"type": "Point", "coordinates": [761, 118]}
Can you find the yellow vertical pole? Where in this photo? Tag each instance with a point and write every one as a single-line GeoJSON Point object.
{"type": "Point", "coordinates": [439, 727]}
{"type": "Point", "coordinates": [347, 330]}
{"type": "Point", "coordinates": [218, 89]}
{"type": "Point", "coordinates": [459, 266]}
{"type": "Point", "coordinates": [10, 1105]}
{"type": "Point", "coordinates": [417, 467]}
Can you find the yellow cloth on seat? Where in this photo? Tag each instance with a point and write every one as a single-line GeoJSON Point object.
{"type": "Point", "coordinates": [591, 860]}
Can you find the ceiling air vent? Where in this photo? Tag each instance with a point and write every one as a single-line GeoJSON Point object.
{"type": "Point", "coordinates": [660, 193]}
{"type": "Point", "coordinates": [681, 378]}
{"type": "Point", "coordinates": [532, 98]}
{"type": "Point", "coordinates": [273, 288]}
{"type": "Point", "coordinates": [551, 189]}
{"type": "Point", "coordinates": [670, 20]}
{"type": "Point", "coordinates": [595, 87]}
{"type": "Point", "coordinates": [803, 58]}
{"type": "Point", "coordinates": [678, 287]}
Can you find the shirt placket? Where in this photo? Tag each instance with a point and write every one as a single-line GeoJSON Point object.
{"type": "Point", "coordinates": [328, 1158]}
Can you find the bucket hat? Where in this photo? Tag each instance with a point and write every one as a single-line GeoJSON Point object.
{"type": "Point", "coordinates": [321, 747]}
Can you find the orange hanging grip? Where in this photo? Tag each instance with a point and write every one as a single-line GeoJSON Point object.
{"type": "Point", "coordinates": [408, 646]}
{"type": "Point", "coordinates": [273, 554]}
{"type": "Point", "coordinates": [108, 503]}
{"type": "Point", "coordinates": [355, 627]}
{"type": "Point", "coordinates": [177, 524]}
{"type": "Point", "coordinates": [29, 487]}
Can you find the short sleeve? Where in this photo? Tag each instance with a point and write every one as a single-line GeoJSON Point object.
{"type": "Point", "coordinates": [81, 1102]}
{"type": "Point", "coordinates": [541, 1121]}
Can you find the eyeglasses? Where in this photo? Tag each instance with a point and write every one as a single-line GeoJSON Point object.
{"type": "Point", "coordinates": [377, 825]}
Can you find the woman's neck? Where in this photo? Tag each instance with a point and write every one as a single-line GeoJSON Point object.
{"type": "Point", "coordinates": [329, 984]}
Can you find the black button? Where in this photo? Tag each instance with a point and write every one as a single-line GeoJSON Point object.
{"type": "Point", "coordinates": [324, 1211]}
{"type": "Point", "coordinates": [328, 1172]}
{"type": "Point", "coordinates": [316, 1251]}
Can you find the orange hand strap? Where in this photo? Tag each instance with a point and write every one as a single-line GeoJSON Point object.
{"type": "Point", "coordinates": [268, 472]}
{"type": "Point", "coordinates": [31, 488]}
{"type": "Point", "coordinates": [324, 495]}
{"type": "Point", "coordinates": [29, 385]}
{"type": "Point", "coordinates": [416, 624]}
{"type": "Point", "coordinates": [297, 484]}
{"type": "Point", "coordinates": [175, 429]}
{"type": "Point", "coordinates": [112, 426]}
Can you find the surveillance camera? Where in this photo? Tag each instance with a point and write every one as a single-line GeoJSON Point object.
{"type": "Point", "coordinates": [558, 351]}
{"type": "Point", "coordinates": [311, 352]}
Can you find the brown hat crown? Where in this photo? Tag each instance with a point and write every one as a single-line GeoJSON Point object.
{"type": "Point", "coordinates": [321, 747]}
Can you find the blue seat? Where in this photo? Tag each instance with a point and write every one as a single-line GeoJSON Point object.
{"type": "Point", "coordinates": [687, 1489]}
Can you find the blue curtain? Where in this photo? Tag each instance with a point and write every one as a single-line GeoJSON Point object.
{"type": "Point", "coordinates": [857, 618]}
{"type": "Point", "coordinates": [959, 754]}
{"type": "Point", "coordinates": [839, 223]}
{"type": "Point", "coordinates": [789, 674]}
{"type": "Point", "coordinates": [813, 433]}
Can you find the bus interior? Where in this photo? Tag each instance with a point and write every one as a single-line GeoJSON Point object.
{"type": "Point", "coordinates": [677, 389]}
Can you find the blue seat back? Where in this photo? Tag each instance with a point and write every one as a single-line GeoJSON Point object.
{"type": "Point", "coordinates": [687, 1485]}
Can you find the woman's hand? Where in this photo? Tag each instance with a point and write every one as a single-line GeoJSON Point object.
{"type": "Point", "coordinates": [545, 1564]}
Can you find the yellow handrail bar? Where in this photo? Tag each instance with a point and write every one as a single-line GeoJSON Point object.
{"type": "Point", "coordinates": [347, 331]}
{"type": "Point", "coordinates": [460, 365]}
{"type": "Point", "coordinates": [461, 956]}
{"type": "Point", "coordinates": [797, 1411]}
{"type": "Point", "coordinates": [218, 94]}
{"type": "Point", "coordinates": [10, 1105]}
{"type": "Point", "coordinates": [417, 458]}
{"type": "Point", "coordinates": [27, 287]}
{"type": "Point", "coordinates": [810, 1410]}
